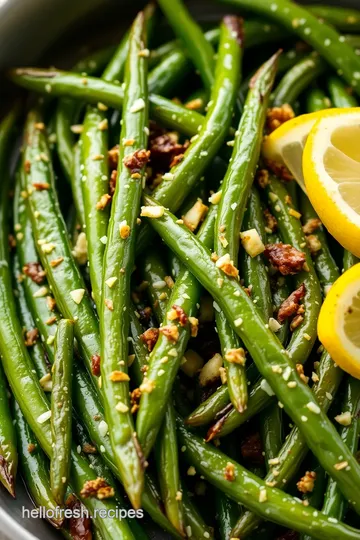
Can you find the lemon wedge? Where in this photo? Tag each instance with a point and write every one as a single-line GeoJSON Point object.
{"type": "Point", "coordinates": [331, 171]}
{"type": "Point", "coordinates": [339, 322]}
{"type": "Point", "coordinates": [285, 145]}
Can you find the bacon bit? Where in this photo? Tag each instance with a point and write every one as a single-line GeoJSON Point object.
{"type": "Point", "coordinates": [134, 400]}
{"type": "Point", "coordinates": [280, 170]}
{"type": "Point", "coordinates": [270, 220]}
{"type": "Point", "coordinates": [180, 314]}
{"type": "Point", "coordinates": [55, 262]}
{"type": "Point", "coordinates": [137, 160]}
{"type": "Point", "coordinates": [95, 364]}
{"type": "Point", "coordinates": [290, 306]}
{"type": "Point", "coordinates": [313, 243]}
{"type": "Point", "coordinates": [300, 370]}
{"type": "Point", "coordinates": [195, 215]}
{"type": "Point", "coordinates": [229, 472]}
{"type": "Point", "coordinates": [98, 488]}
{"type": "Point", "coordinates": [251, 449]}
{"type": "Point", "coordinates": [31, 336]}
{"type": "Point", "coordinates": [236, 356]}
{"type": "Point", "coordinates": [51, 320]}
{"type": "Point", "coordinates": [41, 186]}
{"type": "Point", "coordinates": [89, 449]}
{"type": "Point", "coordinates": [109, 304]}
{"type": "Point", "coordinates": [262, 177]}
{"type": "Point", "coordinates": [227, 266]}
{"type": "Point", "coordinates": [285, 258]}
{"type": "Point", "coordinates": [171, 332]}
{"type": "Point", "coordinates": [103, 202]}
{"type": "Point", "coordinates": [277, 116]}
{"type": "Point", "coordinates": [311, 225]}
{"type": "Point", "coordinates": [27, 166]}
{"type": "Point", "coordinates": [194, 326]}
{"type": "Point", "coordinates": [79, 527]}
{"type": "Point", "coordinates": [113, 157]}
{"type": "Point", "coordinates": [307, 482]}
{"type": "Point", "coordinates": [150, 337]}
{"type": "Point", "coordinates": [31, 448]}
{"type": "Point", "coordinates": [194, 104]}
{"type": "Point", "coordinates": [35, 272]}
{"type": "Point", "coordinates": [119, 376]}
{"type": "Point", "coordinates": [177, 159]}
{"type": "Point", "coordinates": [164, 147]}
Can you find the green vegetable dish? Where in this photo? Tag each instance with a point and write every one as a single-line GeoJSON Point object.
{"type": "Point", "coordinates": [162, 282]}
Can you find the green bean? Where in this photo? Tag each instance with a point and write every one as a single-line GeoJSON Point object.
{"type": "Point", "coordinates": [94, 173]}
{"type": "Point", "coordinates": [34, 467]}
{"type": "Point", "coordinates": [317, 100]}
{"type": "Point", "coordinates": [36, 350]}
{"type": "Point", "coordinates": [325, 39]}
{"type": "Point", "coordinates": [167, 354]}
{"type": "Point", "coordinates": [76, 184]}
{"type": "Point", "coordinates": [253, 269]}
{"type": "Point", "coordinates": [118, 260]}
{"type": "Point", "coordinates": [61, 405]}
{"type": "Point", "coordinates": [166, 452]}
{"type": "Point", "coordinates": [326, 268]}
{"type": "Point", "coordinates": [264, 347]}
{"type": "Point", "coordinates": [218, 404]}
{"type": "Point", "coordinates": [226, 514]}
{"type": "Point", "coordinates": [339, 94]}
{"type": "Point", "coordinates": [271, 432]}
{"type": "Point", "coordinates": [65, 116]}
{"type": "Point", "coordinates": [344, 19]}
{"type": "Point", "coordinates": [190, 34]}
{"type": "Point", "coordinates": [193, 520]}
{"type": "Point", "coordinates": [154, 274]}
{"type": "Point", "coordinates": [304, 336]}
{"type": "Point", "coordinates": [8, 444]}
{"type": "Point", "coordinates": [349, 260]}
{"type": "Point", "coordinates": [169, 73]}
{"type": "Point", "coordinates": [52, 240]}
{"type": "Point", "coordinates": [68, 84]}
{"type": "Point", "coordinates": [94, 167]}
{"type": "Point", "coordinates": [248, 489]}
{"type": "Point", "coordinates": [38, 296]}
{"type": "Point", "coordinates": [297, 79]}
{"type": "Point", "coordinates": [334, 504]}
{"type": "Point", "coordinates": [240, 173]}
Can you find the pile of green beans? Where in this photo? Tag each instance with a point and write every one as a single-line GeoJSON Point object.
{"type": "Point", "coordinates": [133, 312]}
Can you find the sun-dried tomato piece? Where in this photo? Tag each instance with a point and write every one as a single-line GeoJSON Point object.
{"type": "Point", "coordinates": [291, 305]}
{"type": "Point", "coordinates": [285, 258]}
{"type": "Point", "coordinates": [34, 271]}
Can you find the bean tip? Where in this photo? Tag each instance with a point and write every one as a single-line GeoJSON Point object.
{"type": "Point", "coordinates": [235, 25]}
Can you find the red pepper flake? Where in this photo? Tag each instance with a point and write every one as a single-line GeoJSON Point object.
{"type": "Point", "coordinates": [35, 272]}
{"type": "Point", "coordinates": [285, 258]}
{"type": "Point", "coordinates": [95, 365]}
